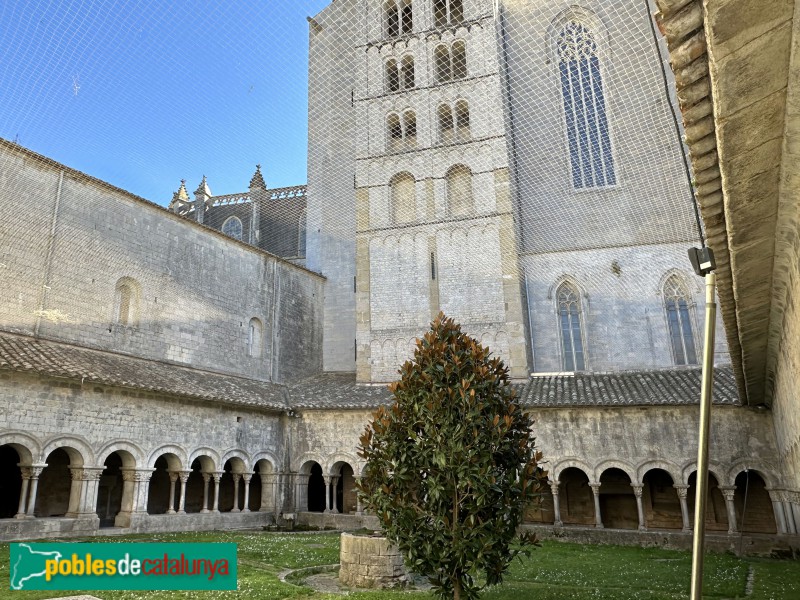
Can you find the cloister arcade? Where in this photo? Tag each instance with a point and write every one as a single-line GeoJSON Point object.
{"type": "Point", "coordinates": [67, 478]}
{"type": "Point", "coordinates": [660, 496]}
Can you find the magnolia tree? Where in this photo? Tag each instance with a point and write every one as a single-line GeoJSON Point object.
{"type": "Point", "coordinates": [452, 464]}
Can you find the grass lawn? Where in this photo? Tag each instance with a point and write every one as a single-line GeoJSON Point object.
{"type": "Point", "coordinates": [556, 570]}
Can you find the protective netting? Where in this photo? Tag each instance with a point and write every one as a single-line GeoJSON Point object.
{"type": "Point", "coordinates": [517, 164]}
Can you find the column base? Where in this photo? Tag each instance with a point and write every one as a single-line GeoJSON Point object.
{"type": "Point", "coordinates": [244, 510]}
{"type": "Point", "coordinates": [642, 528]}
{"type": "Point", "coordinates": [235, 510]}
{"type": "Point", "coordinates": [205, 510]}
{"type": "Point", "coordinates": [558, 524]}
{"type": "Point", "coordinates": [599, 526]}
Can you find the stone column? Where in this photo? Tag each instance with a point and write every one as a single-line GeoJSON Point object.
{"type": "Point", "coordinates": [794, 505]}
{"type": "Point", "coordinates": [359, 506]}
{"type": "Point", "coordinates": [267, 492]}
{"type": "Point", "coordinates": [777, 507]}
{"type": "Point", "coordinates": [91, 483]}
{"type": "Point", "coordinates": [556, 506]}
{"type": "Point", "coordinates": [246, 477]}
{"type": "Point", "coordinates": [791, 526]}
{"type": "Point", "coordinates": [141, 489]}
{"type": "Point", "coordinates": [184, 477]}
{"type": "Point", "coordinates": [23, 493]}
{"type": "Point", "coordinates": [729, 492]}
{"type": "Point", "coordinates": [77, 491]}
{"type": "Point", "coordinates": [33, 489]}
{"type": "Point", "coordinates": [638, 488]}
{"type": "Point", "coordinates": [236, 477]}
{"type": "Point", "coordinates": [173, 478]}
{"type": "Point", "coordinates": [327, 479]}
{"type": "Point", "coordinates": [206, 479]}
{"type": "Point", "coordinates": [123, 518]}
{"type": "Point", "coordinates": [334, 483]}
{"type": "Point", "coordinates": [301, 493]}
{"type": "Point", "coordinates": [597, 516]}
{"type": "Point", "coordinates": [216, 475]}
{"type": "Point", "coordinates": [683, 492]}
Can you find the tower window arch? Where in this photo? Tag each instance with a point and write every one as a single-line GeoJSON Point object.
{"type": "Point", "coordinates": [677, 304]}
{"type": "Point", "coordinates": [453, 124]}
{"type": "Point", "coordinates": [403, 198]}
{"type": "Point", "coordinates": [127, 294]}
{"type": "Point", "coordinates": [401, 131]}
{"type": "Point", "coordinates": [450, 61]}
{"type": "Point", "coordinates": [584, 102]}
{"type": "Point", "coordinates": [398, 17]}
{"type": "Point", "coordinates": [569, 321]}
{"type": "Point", "coordinates": [460, 198]}
{"type": "Point", "coordinates": [399, 75]}
{"type": "Point", "coordinates": [232, 227]}
{"type": "Point", "coordinates": [448, 12]}
{"type": "Point", "coordinates": [255, 333]}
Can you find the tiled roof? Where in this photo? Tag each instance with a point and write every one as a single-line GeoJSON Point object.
{"type": "Point", "coordinates": [678, 386]}
{"type": "Point", "coordinates": [627, 388]}
{"type": "Point", "coordinates": [337, 390]}
{"type": "Point", "coordinates": [27, 354]}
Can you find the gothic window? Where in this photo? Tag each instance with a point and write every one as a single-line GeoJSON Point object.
{"type": "Point", "coordinates": [254, 335]}
{"type": "Point", "coordinates": [676, 301]}
{"type": "Point", "coordinates": [584, 107]}
{"type": "Point", "coordinates": [401, 131]}
{"type": "Point", "coordinates": [126, 302]}
{"type": "Point", "coordinates": [448, 12]}
{"type": "Point", "coordinates": [403, 198]}
{"type": "Point", "coordinates": [398, 17]}
{"type": "Point", "coordinates": [232, 227]}
{"type": "Point", "coordinates": [450, 62]}
{"type": "Point", "coordinates": [569, 320]}
{"type": "Point", "coordinates": [459, 191]}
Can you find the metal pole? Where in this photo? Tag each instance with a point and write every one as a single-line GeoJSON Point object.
{"type": "Point", "coordinates": [698, 543]}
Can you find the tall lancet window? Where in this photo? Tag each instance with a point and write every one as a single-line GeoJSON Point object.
{"type": "Point", "coordinates": [584, 108]}
{"type": "Point", "coordinates": [676, 301]}
{"type": "Point", "coordinates": [569, 319]}
{"type": "Point", "coordinates": [232, 227]}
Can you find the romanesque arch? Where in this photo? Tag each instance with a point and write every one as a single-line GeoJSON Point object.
{"type": "Point", "coordinates": [312, 490]}
{"type": "Point", "coordinates": [752, 503]}
{"type": "Point", "coordinates": [343, 486]}
{"type": "Point", "coordinates": [660, 500]}
{"type": "Point", "coordinates": [202, 485]}
{"type": "Point", "coordinates": [575, 495]}
{"type": "Point", "coordinates": [264, 485]}
{"type": "Point", "coordinates": [16, 457]}
{"type": "Point", "coordinates": [163, 481]}
{"type": "Point", "coordinates": [617, 498]}
{"type": "Point", "coordinates": [114, 502]}
{"type": "Point", "coordinates": [61, 482]}
{"type": "Point", "coordinates": [231, 484]}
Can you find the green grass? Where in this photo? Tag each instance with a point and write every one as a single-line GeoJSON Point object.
{"type": "Point", "coordinates": [553, 572]}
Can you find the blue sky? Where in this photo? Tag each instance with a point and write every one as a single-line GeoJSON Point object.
{"type": "Point", "coordinates": [144, 93]}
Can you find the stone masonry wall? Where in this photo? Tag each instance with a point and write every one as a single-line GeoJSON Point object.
{"type": "Point", "coordinates": [69, 239]}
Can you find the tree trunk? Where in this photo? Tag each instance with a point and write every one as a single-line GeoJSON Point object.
{"type": "Point", "coordinates": [457, 590]}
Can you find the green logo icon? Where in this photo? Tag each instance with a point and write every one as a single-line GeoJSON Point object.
{"type": "Point", "coordinates": [127, 566]}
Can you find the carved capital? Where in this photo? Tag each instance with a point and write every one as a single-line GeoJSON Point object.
{"type": "Point", "coordinates": [76, 474]}
{"type": "Point", "coordinates": [27, 472]}
{"type": "Point", "coordinates": [184, 476]}
{"type": "Point", "coordinates": [683, 490]}
{"type": "Point", "coordinates": [728, 491]}
{"type": "Point", "coordinates": [236, 477]}
{"type": "Point", "coordinates": [595, 488]}
{"type": "Point", "coordinates": [217, 475]}
{"type": "Point", "coordinates": [206, 477]}
{"type": "Point", "coordinates": [247, 477]}
{"type": "Point", "coordinates": [173, 476]}
{"type": "Point", "coordinates": [554, 488]}
{"type": "Point", "coordinates": [637, 489]}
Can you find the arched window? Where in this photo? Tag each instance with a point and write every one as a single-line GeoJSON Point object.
{"type": "Point", "coordinates": [448, 12]}
{"type": "Point", "coordinates": [410, 129]}
{"type": "Point", "coordinates": [126, 302]}
{"type": "Point", "coordinates": [407, 73]}
{"type": "Point", "coordinates": [459, 191]}
{"type": "Point", "coordinates": [254, 336]}
{"type": "Point", "coordinates": [442, 60]}
{"type": "Point", "coordinates": [459, 56]}
{"type": "Point", "coordinates": [569, 319]}
{"type": "Point", "coordinates": [232, 227]}
{"type": "Point", "coordinates": [450, 62]}
{"type": "Point", "coordinates": [403, 198]}
{"type": "Point", "coordinates": [401, 132]}
{"type": "Point", "coordinates": [584, 107]}
{"type": "Point", "coordinates": [462, 121]}
{"type": "Point", "coordinates": [398, 17]}
{"type": "Point", "coordinates": [676, 302]}
{"type": "Point", "coordinates": [445, 118]}
{"type": "Point", "coordinates": [392, 76]}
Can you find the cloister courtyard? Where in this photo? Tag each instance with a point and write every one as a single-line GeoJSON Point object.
{"type": "Point", "coordinates": [277, 565]}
